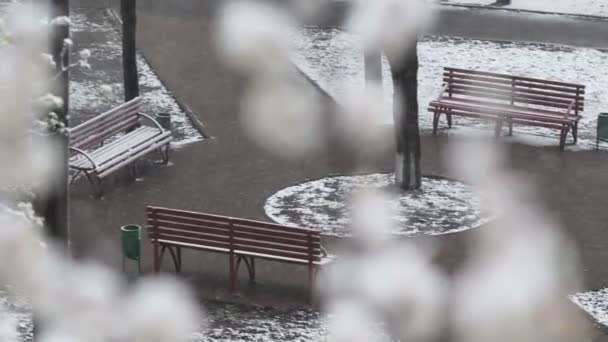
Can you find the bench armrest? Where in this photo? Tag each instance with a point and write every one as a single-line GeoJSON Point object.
{"type": "Point", "coordinates": [570, 107]}
{"type": "Point", "coordinates": [162, 130]}
{"type": "Point", "coordinates": [79, 151]}
{"type": "Point", "coordinates": [443, 89]}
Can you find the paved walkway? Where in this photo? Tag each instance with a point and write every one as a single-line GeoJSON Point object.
{"type": "Point", "coordinates": [230, 175]}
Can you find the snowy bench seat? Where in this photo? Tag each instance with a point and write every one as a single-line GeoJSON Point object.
{"type": "Point", "coordinates": [510, 100]}
{"type": "Point", "coordinates": [243, 240]}
{"type": "Point", "coordinates": [113, 140]}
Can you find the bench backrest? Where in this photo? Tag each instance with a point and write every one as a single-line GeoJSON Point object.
{"type": "Point", "coordinates": [233, 234]}
{"type": "Point", "coordinates": [118, 119]}
{"type": "Point", "coordinates": [479, 86]}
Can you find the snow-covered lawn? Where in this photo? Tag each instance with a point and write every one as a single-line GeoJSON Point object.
{"type": "Point", "coordinates": [585, 7]}
{"type": "Point", "coordinates": [442, 206]}
{"type": "Point", "coordinates": [334, 60]}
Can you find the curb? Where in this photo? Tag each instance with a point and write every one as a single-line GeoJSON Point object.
{"type": "Point", "coordinates": [516, 10]}
{"type": "Point", "coordinates": [198, 125]}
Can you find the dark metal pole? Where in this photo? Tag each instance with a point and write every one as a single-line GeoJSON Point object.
{"type": "Point", "coordinates": [55, 210]}
{"type": "Point", "coordinates": [128, 12]}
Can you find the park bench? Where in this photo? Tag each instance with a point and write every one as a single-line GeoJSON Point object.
{"type": "Point", "coordinates": [115, 139]}
{"type": "Point", "coordinates": [509, 100]}
{"type": "Point", "coordinates": [242, 240]}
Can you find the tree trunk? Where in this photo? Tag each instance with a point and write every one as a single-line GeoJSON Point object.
{"type": "Point", "coordinates": [373, 67]}
{"type": "Point", "coordinates": [404, 72]}
{"type": "Point", "coordinates": [129, 58]}
{"type": "Point", "coordinates": [55, 205]}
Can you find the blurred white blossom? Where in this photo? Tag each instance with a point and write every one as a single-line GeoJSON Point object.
{"type": "Point", "coordinates": [253, 37]}
{"type": "Point", "coordinates": [283, 116]}
{"type": "Point", "coordinates": [161, 310]}
{"type": "Point", "coordinates": [357, 121]}
{"type": "Point", "coordinates": [521, 268]}
{"type": "Point", "coordinates": [389, 25]}
{"type": "Point", "coordinates": [395, 281]}
{"type": "Point", "coordinates": [310, 11]}
{"type": "Point", "coordinates": [350, 321]}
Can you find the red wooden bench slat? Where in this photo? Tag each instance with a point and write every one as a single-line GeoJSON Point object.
{"type": "Point", "coordinates": [193, 233]}
{"type": "Point", "coordinates": [253, 234]}
{"type": "Point", "coordinates": [517, 84]}
{"type": "Point", "coordinates": [190, 223]}
{"type": "Point", "coordinates": [507, 98]}
{"type": "Point", "coordinates": [275, 246]}
{"type": "Point", "coordinates": [515, 120]}
{"type": "Point", "coordinates": [178, 238]}
{"type": "Point", "coordinates": [506, 113]}
{"type": "Point", "coordinates": [233, 236]}
{"type": "Point", "coordinates": [517, 93]}
{"type": "Point", "coordinates": [510, 99]}
{"type": "Point", "coordinates": [236, 221]}
{"type": "Point", "coordinates": [507, 76]}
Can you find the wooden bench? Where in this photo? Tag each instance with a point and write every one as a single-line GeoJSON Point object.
{"type": "Point", "coordinates": [243, 240]}
{"type": "Point", "coordinates": [510, 100]}
{"type": "Point", "coordinates": [114, 139]}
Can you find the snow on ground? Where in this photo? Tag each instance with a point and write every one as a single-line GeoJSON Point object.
{"type": "Point", "coordinates": [442, 206]}
{"type": "Point", "coordinates": [93, 29]}
{"type": "Point", "coordinates": [333, 59]}
{"type": "Point", "coordinates": [595, 303]}
{"type": "Point", "coordinates": [584, 7]}
{"type": "Point", "coordinates": [226, 322]}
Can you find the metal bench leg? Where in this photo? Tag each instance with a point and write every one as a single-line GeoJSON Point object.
{"type": "Point", "coordinates": [575, 132]}
{"type": "Point", "coordinates": [75, 176]}
{"type": "Point", "coordinates": [249, 263]}
{"type": "Point", "coordinates": [562, 138]}
{"type": "Point", "coordinates": [233, 279]}
{"type": "Point", "coordinates": [311, 283]}
{"type": "Point", "coordinates": [436, 117]}
{"type": "Point", "coordinates": [95, 184]}
{"type": "Point", "coordinates": [449, 117]}
{"type": "Point", "coordinates": [157, 260]}
{"type": "Point", "coordinates": [133, 170]}
{"type": "Point", "coordinates": [498, 128]}
{"type": "Point", "coordinates": [165, 154]}
{"type": "Point", "coordinates": [176, 256]}
{"type": "Point", "coordinates": [510, 128]}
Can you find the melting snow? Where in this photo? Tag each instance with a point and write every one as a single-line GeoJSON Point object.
{"type": "Point", "coordinates": [442, 206]}
{"type": "Point", "coordinates": [334, 60]}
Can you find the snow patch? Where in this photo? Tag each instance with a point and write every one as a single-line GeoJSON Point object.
{"type": "Point", "coordinates": [595, 303]}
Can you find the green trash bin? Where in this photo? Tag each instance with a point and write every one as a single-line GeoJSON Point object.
{"type": "Point", "coordinates": [164, 119]}
{"type": "Point", "coordinates": [130, 236]}
{"type": "Point", "coordinates": [602, 128]}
